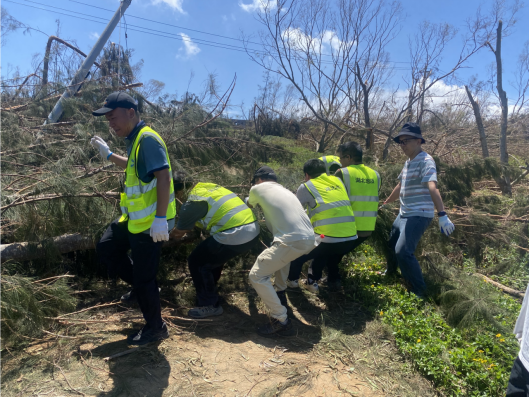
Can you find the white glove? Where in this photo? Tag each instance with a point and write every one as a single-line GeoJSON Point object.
{"type": "Point", "coordinates": [102, 146]}
{"type": "Point", "coordinates": [246, 200]}
{"type": "Point", "coordinates": [446, 226]}
{"type": "Point", "coordinates": [159, 230]}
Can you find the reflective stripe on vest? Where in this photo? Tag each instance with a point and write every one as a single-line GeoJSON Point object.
{"type": "Point", "coordinates": [332, 215]}
{"type": "Point", "coordinates": [329, 161]}
{"type": "Point", "coordinates": [363, 192]}
{"type": "Point", "coordinates": [139, 200]}
{"type": "Point", "coordinates": [225, 209]}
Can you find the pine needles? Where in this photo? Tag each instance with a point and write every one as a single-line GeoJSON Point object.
{"type": "Point", "coordinates": [27, 303]}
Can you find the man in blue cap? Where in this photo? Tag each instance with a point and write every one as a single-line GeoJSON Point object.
{"type": "Point", "coordinates": [418, 196]}
{"type": "Point", "coordinates": [148, 211]}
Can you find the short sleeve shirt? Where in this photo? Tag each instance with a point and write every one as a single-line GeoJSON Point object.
{"type": "Point", "coordinates": [414, 198]}
{"type": "Point", "coordinates": [151, 155]}
{"type": "Point", "coordinates": [151, 158]}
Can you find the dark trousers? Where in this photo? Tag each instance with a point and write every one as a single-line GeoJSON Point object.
{"type": "Point", "coordinates": [518, 382]}
{"type": "Point", "coordinates": [404, 238]}
{"type": "Point", "coordinates": [206, 263]}
{"type": "Point", "coordinates": [325, 254]}
{"type": "Point", "coordinates": [139, 269]}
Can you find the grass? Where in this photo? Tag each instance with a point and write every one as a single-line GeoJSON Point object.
{"type": "Point", "coordinates": [472, 361]}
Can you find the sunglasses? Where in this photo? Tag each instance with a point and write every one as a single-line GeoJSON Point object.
{"type": "Point", "coordinates": [403, 142]}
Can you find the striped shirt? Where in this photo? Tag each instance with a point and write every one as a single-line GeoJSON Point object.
{"type": "Point", "coordinates": [414, 198]}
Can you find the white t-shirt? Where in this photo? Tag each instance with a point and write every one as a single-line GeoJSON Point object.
{"type": "Point", "coordinates": [284, 215]}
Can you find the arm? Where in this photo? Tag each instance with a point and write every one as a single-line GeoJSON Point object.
{"type": "Point", "coordinates": [394, 195]}
{"type": "Point", "coordinates": [435, 195]}
{"type": "Point", "coordinates": [338, 174]}
{"type": "Point", "coordinates": [120, 161]}
{"type": "Point", "coordinates": [162, 191]}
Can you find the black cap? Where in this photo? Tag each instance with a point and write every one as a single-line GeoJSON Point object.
{"type": "Point", "coordinates": [410, 129]}
{"type": "Point", "coordinates": [116, 100]}
{"type": "Point", "coordinates": [262, 172]}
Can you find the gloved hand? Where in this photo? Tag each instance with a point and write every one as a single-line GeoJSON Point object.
{"type": "Point", "coordinates": [102, 146]}
{"type": "Point", "coordinates": [246, 200]}
{"type": "Point", "coordinates": [159, 230]}
{"type": "Point", "coordinates": [446, 226]}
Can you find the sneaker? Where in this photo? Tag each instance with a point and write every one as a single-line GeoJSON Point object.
{"type": "Point", "coordinates": [293, 284]}
{"type": "Point", "coordinates": [274, 327]}
{"type": "Point", "coordinates": [145, 336]}
{"type": "Point", "coordinates": [205, 311]}
{"type": "Point", "coordinates": [282, 297]}
{"type": "Point", "coordinates": [311, 286]}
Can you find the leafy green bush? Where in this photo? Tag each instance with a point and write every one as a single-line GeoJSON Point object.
{"type": "Point", "coordinates": [474, 360]}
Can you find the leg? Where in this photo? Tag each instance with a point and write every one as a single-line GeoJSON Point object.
{"type": "Point", "coordinates": [146, 257]}
{"type": "Point", "coordinates": [271, 260]}
{"type": "Point", "coordinates": [334, 258]}
{"type": "Point", "coordinates": [205, 263]}
{"type": "Point", "coordinates": [518, 382]}
{"type": "Point", "coordinates": [296, 266]}
{"type": "Point", "coordinates": [112, 251]}
{"type": "Point", "coordinates": [391, 263]}
{"type": "Point", "coordinates": [411, 230]}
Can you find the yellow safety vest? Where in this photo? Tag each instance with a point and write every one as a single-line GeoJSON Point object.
{"type": "Point", "coordinates": [225, 209]}
{"type": "Point", "coordinates": [333, 215]}
{"type": "Point", "coordinates": [362, 184]}
{"type": "Point", "coordinates": [329, 161]}
{"type": "Point", "coordinates": [138, 201]}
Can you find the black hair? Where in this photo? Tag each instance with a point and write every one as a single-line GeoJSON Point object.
{"type": "Point", "coordinates": [314, 168]}
{"type": "Point", "coordinates": [352, 149]}
{"type": "Point", "coordinates": [333, 168]}
{"type": "Point", "coordinates": [182, 181]}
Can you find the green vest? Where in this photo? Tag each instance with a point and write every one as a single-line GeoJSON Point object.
{"type": "Point", "coordinates": [225, 209]}
{"type": "Point", "coordinates": [329, 161]}
{"type": "Point", "coordinates": [333, 215]}
{"type": "Point", "coordinates": [138, 201]}
{"type": "Point", "coordinates": [362, 184]}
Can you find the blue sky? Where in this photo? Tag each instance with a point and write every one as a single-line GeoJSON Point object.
{"type": "Point", "coordinates": [172, 60]}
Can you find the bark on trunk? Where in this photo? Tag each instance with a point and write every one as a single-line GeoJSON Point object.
{"type": "Point", "coordinates": [63, 244]}
{"type": "Point", "coordinates": [480, 125]}
{"type": "Point", "coordinates": [508, 290]}
{"type": "Point", "coordinates": [504, 180]}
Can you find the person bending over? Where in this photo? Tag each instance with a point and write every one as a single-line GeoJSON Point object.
{"type": "Point", "coordinates": [332, 217]}
{"type": "Point", "coordinates": [293, 237]}
{"type": "Point", "coordinates": [233, 231]}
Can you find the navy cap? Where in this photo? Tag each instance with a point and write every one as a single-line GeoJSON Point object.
{"type": "Point", "coordinates": [264, 171]}
{"type": "Point", "coordinates": [410, 129]}
{"type": "Point", "coordinates": [116, 100]}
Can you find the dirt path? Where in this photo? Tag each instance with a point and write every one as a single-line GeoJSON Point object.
{"type": "Point", "coordinates": [336, 352]}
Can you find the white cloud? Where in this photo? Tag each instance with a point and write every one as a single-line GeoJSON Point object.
{"type": "Point", "coordinates": [257, 5]}
{"type": "Point", "coordinates": [93, 36]}
{"type": "Point", "coordinates": [325, 42]}
{"type": "Point", "coordinates": [174, 4]}
{"type": "Point", "coordinates": [190, 48]}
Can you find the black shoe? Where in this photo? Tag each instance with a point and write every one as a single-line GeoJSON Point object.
{"type": "Point", "coordinates": [129, 297]}
{"type": "Point", "coordinates": [282, 297]}
{"type": "Point", "coordinates": [274, 327]}
{"type": "Point", "coordinates": [205, 311]}
{"type": "Point", "coordinates": [145, 336]}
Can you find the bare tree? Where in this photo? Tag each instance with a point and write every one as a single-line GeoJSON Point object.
{"type": "Point", "coordinates": [480, 124]}
{"type": "Point", "coordinates": [521, 82]}
{"type": "Point", "coordinates": [313, 43]}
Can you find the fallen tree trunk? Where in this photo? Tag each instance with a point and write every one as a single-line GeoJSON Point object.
{"type": "Point", "coordinates": [63, 244]}
{"type": "Point", "coordinates": [508, 290]}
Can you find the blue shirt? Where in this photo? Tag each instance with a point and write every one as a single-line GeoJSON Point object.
{"type": "Point", "coordinates": [415, 198]}
{"type": "Point", "coordinates": [151, 156]}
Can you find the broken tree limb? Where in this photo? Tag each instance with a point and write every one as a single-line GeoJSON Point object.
{"type": "Point", "coordinates": [508, 290]}
{"type": "Point", "coordinates": [63, 244]}
{"type": "Point", "coordinates": [66, 243]}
